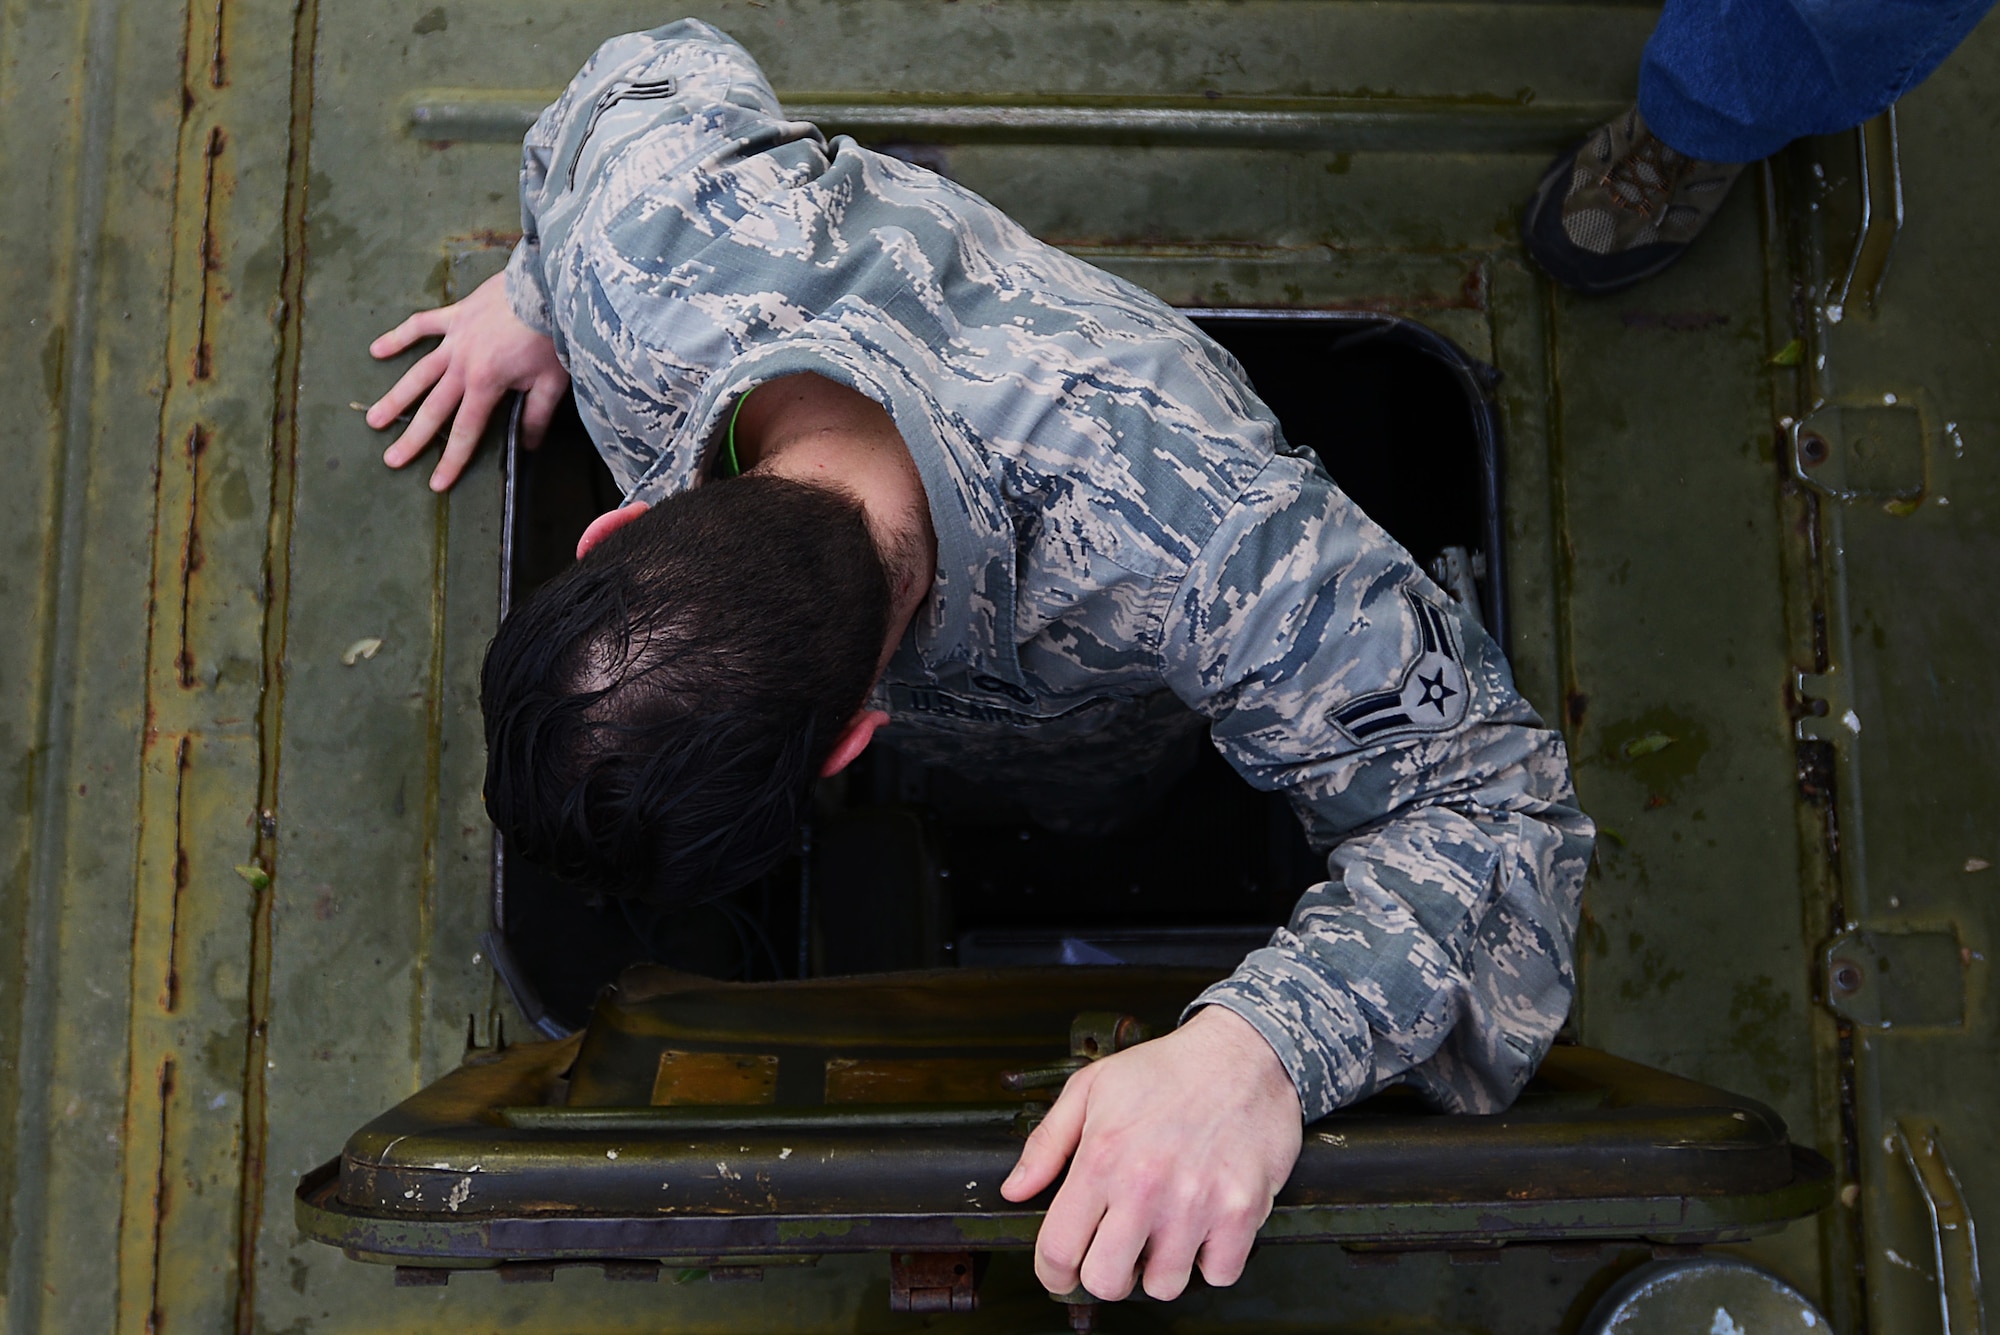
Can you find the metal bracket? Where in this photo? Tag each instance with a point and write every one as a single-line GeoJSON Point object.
{"type": "Point", "coordinates": [1953, 1247]}
{"type": "Point", "coordinates": [1822, 708]}
{"type": "Point", "coordinates": [1887, 980]}
{"type": "Point", "coordinates": [1092, 1035]}
{"type": "Point", "coordinates": [1861, 452]}
{"type": "Point", "coordinates": [933, 1282]}
{"type": "Point", "coordinates": [1881, 182]}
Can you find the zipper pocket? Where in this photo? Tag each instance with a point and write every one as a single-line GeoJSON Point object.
{"type": "Point", "coordinates": [631, 92]}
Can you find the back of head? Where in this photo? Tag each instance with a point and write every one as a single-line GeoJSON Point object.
{"type": "Point", "coordinates": [656, 714]}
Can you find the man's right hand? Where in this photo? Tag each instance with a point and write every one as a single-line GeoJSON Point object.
{"type": "Point", "coordinates": [486, 352]}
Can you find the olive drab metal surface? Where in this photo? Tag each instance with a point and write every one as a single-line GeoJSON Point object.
{"type": "Point", "coordinates": [244, 869]}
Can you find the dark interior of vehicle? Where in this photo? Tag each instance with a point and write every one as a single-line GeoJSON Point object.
{"type": "Point", "coordinates": [881, 880]}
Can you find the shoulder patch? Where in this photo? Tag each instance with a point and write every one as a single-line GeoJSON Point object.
{"type": "Point", "coordinates": [1432, 696]}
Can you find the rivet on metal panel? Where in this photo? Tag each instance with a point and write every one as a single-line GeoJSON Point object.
{"type": "Point", "coordinates": [1887, 980]}
{"type": "Point", "coordinates": [933, 1282]}
{"type": "Point", "coordinates": [1954, 1249]}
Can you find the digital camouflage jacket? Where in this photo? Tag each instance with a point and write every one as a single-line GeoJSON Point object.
{"type": "Point", "coordinates": [1127, 546]}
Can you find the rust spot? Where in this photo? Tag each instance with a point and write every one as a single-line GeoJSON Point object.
{"type": "Point", "coordinates": [492, 238]}
{"type": "Point", "coordinates": [1472, 292]}
{"type": "Point", "coordinates": [1654, 802]}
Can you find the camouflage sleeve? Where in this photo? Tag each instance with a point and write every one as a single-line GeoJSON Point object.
{"type": "Point", "coordinates": [1439, 951]}
{"type": "Point", "coordinates": [527, 289]}
{"type": "Point", "coordinates": [687, 61]}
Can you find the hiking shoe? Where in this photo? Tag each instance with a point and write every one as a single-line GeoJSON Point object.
{"type": "Point", "coordinates": [1620, 207]}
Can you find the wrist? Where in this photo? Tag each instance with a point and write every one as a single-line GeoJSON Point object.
{"type": "Point", "coordinates": [1241, 1048]}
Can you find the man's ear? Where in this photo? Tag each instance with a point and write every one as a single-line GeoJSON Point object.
{"type": "Point", "coordinates": [605, 525]}
{"type": "Point", "coordinates": [853, 740]}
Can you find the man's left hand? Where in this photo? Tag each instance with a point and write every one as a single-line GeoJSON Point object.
{"type": "Point", "coordinates": [1180, 1145]}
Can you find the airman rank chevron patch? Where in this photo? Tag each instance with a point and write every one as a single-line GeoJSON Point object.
{"type": "Point", "coordinates": [1432, 696]}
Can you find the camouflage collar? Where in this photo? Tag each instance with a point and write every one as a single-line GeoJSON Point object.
{"type": "Point", "coordinates": [970, 614]}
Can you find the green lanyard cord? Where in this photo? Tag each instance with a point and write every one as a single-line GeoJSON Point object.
{"type": "Point", "coordinates": [729, 466]}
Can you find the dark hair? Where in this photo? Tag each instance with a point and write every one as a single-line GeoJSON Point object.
{"type": "Point", "coordinates": [656, 715]}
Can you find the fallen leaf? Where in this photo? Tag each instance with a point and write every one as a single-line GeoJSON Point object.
{"type": "Point", "coordinates": [1646, 746]}
{"type": "Point", "coordinates": [255, 876]}
{"type": "Point", "coordinates": [360, 649]}
{"type": "Point", "coordinates": [1792, 354]}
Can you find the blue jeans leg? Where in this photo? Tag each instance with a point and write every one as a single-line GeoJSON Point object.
{"type": "Point", "coordinates": [1736, 80]}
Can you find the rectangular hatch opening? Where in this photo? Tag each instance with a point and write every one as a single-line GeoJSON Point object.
{"type": "Point", "coordinates": [889, 877]}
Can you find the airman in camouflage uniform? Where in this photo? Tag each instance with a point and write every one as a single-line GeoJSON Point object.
{"type": "Point", "coordinates": [1127, 546]}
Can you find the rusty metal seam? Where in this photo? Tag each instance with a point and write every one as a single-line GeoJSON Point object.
{"type": "Point", "coordinates": [190, 561]}
{"type": "Point", "coordinates": [170, 991]}
{"type": "Point", "coordinates": [433, 780]}
{"type": "Point", "coordinates": [204, 356]}
{"type": "Point", "coordinates": [289, 316]}
{"type": "Point", "coordinates": [143, 1040]}
{"type": "Point", "coordinates": [161, 1196]}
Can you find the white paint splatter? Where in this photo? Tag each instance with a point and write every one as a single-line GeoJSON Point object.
{"type": "Point", "coordinates": [1853, 722]}
{"type": "Point", "coordinates": [360, 649]}
{"type": "Point", "coordinates": [1724, 1324]}
{"type": "Point", "coordinates": [458, 1195]}
{"type": "Point", "coordinates": [1897, 1259]}
{"type": "Point", "coordinates": [785, 1153]}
